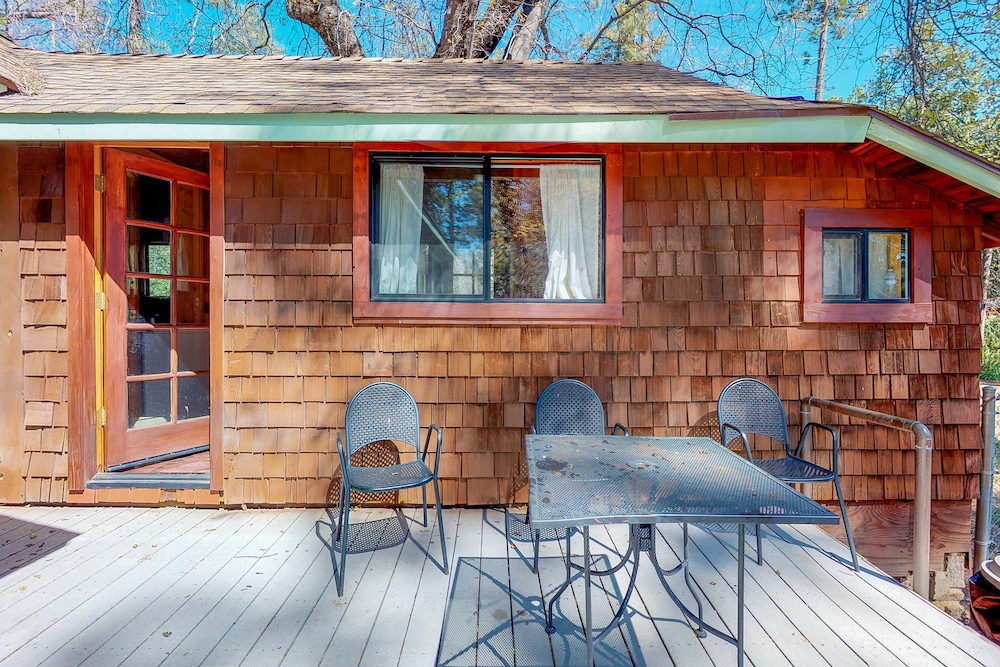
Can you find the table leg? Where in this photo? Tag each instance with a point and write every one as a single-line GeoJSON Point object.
{"type": "Point", "coordinates": [550, 627]}
{"type": "Point", "coordinates": [586, 587]}
{"type": "Point", "coordinates": [739, 595]}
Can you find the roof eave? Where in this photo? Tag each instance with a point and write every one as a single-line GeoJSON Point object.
{"type": "Point", "coordinates": [344, 127]}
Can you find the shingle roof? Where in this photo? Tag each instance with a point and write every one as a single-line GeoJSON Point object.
{"type": "Point", "coordinates": [100, 83]}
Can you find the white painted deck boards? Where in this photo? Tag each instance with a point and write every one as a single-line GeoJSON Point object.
{"type": "Point", "coordinates": [171, 586]}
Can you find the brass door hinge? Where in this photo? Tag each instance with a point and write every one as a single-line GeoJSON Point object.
{"type": "Point", "coordinates": [102, 417]}
{"type": "Point", "coordinates": [100, 183]}
{"type": "Point", "coordinates": [101, 301]}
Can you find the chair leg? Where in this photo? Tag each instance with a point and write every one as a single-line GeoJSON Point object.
{"type": "Point", "coordinates": [424, 490]}
{"type": "Point", "coordinates": [437, 496]}
{"type": "Point", "coordinates": [344, 538]}
{"type": "Point", "coordinates": [847, 524]}
{"type": "Point", "coordinates": [340, 512]}
{"type": "Point", "coordinates": [760, 552]}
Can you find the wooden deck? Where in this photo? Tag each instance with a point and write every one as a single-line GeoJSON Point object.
{"type": "Point", "coordinates": [110, 586]}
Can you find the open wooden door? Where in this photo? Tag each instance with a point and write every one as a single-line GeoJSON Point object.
{"type": "Point", "coordinates": [157, 380]}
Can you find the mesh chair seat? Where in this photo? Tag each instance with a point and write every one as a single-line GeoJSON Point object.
{"type": "Point", "coordinates": [390, 478]}
{"type": "Point", "coordinates": [794, 470]}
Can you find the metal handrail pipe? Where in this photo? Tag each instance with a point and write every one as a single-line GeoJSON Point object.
{"type": "Point", "coordinates": [923, 443]}
{"type": "Point", "coordinates": [984, 506]}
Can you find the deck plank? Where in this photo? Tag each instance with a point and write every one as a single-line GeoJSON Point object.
{"type": "Point", "coordinates": [240, 580]}
{"type": "Point", "coordinates": [423, 630]}
{"type": "Point", "coordinates": [186, 608]}
{"type": "Point", "coordinates": [196, 597]}
{"type": "Point", "coordinates": [673, 635]}
{"type": "Point", "coordinates": [75, 583]}
{"type": "Point", "coordinates": [843, 639]}
{"type": "Point", "coordinates": [917, 619]}
{"type": "Point", "coordinates": [149, 607]}
{"type": "Point", "coordinates": [766, 623]}
{"type": "Point", "coordinates": [87, 626]}
{"type": "Point", "coordinates": [413, 566]}
{"type": "Point", "coordinates": [876, 616]}
{"type": "Point", "coordinates": [275, 640]}
{"type": "Point", "coordinates": [371, 586]}
{"type": "Point", "coordinates": [274, 576]}
{"type": "Point", "coordinates": [315, 637]}
{"type": "Point", "coordinates": [64, 533]}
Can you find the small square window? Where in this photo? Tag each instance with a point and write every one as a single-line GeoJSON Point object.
{"type": "Point", "coordinates": [865, 266]}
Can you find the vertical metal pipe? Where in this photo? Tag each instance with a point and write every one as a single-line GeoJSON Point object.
{"type": "Point", "coordinates": [984, 506]}
{"type": "Point", "coordinates": [806, 488]}
{"type": "Point", "coordinates": [924, 444]}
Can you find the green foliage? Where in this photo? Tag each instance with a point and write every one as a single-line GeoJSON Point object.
{"type": "Point", "coordinates": [991, 348]}
{"type": "Point", "coordinates": [944, 87]}
{"type": "Point", "coordinates": [633, 37]}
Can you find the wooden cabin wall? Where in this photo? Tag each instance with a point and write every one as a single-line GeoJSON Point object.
{"type": "Point", "coordinates": [41, 471]}
{"type": "Point", "coordinates": [712, 289]}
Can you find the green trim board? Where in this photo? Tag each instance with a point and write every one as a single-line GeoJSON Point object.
{"type": "Point", "coordinates": [325, 127]}
{"type": "Point", "coordinates": [427, 127]}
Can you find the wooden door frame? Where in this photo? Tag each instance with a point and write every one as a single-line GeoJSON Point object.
{"type": "Point", "coordinates": [84, 280]}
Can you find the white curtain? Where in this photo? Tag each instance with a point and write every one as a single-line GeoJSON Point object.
{"type": "Point", "coordinates": [571, 212]}
{"type": "Point", "coordinates": [401, 198]}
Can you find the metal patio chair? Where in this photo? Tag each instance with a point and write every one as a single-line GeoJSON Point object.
{"type": "Point", "coordinates": [569, 407]}
{"type": "Point", "coordinates": [750, 407]}
{"type": "Point", "coordinates": [379, 412]}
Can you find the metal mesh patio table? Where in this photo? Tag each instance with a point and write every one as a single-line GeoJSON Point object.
{"type": "Point", "coordinates": [582, 481]}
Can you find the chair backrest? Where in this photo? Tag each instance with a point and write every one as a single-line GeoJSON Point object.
{"type": "Point", "coordinates": [569, 407]}
{"type": "Point", "coordinates": [754, 408]}
{"type": "Point", "coordinates": [381, 411]}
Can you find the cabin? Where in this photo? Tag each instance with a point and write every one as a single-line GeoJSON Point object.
{"type": "Point", "coordinates": [202, 259]}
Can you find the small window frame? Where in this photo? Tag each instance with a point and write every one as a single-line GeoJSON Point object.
{"type": "Point", "coordinates": [488, 311]}
{"type": "Point", "coordinates": [917, 309]}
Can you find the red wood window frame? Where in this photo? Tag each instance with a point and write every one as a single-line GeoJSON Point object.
{"type": "Point", "coordinates": [918, 221]}
{"type": "Point", "coordinates": [490, 312]}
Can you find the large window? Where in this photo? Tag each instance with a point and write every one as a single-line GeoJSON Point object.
{"type": "Point", "coordinates": [862, 265]}
{"type": "Point", "coordinates": [486, 228]}
{"type": "Point", "coordinates": [502, 236]}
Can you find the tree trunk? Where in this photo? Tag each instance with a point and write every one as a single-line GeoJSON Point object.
{"type": "Point", "coordinates": [134, 42]}
{"type": "Point", "coordinates": [334, 24]}
{"type": "Point", "coordinates": [824, 27]}
{"type": "Point", "coordinates": [526, 31]}
{"type": "Point", "coordinates": [463, 35]}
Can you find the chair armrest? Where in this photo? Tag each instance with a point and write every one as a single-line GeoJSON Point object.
{"type": "Point", "coordinates": [743, 436]}
{"type": "Point", "coordinates": [532, 430]}
{"type": "Point", "coordinates": [437, 452]}
{"type": "Point", "coordinates": [619, 427]}
{"type": "Point", "coordinates": [345, 463]}
{"type": "Point", "coordinates": [833, 434]}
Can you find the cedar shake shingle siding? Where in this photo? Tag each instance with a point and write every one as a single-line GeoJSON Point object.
{"type": "Point", "coordinates": [43, 313]}
{"type": "Point", "coordinates": [712, 292]}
